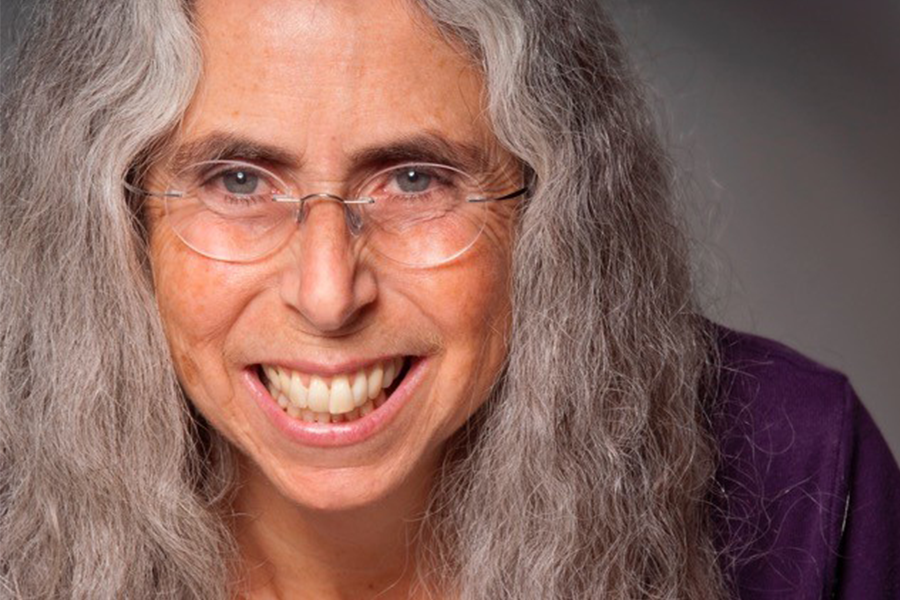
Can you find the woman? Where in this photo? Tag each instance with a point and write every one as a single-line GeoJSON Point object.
{"type": "Point", "coordinates": [383, 299]}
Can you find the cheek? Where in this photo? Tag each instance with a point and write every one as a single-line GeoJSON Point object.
{"type": "Point", "coordinates": [482, 297]}
{"type": "Point", "coordinates": [475, 320]}
{"type": "Point", "coordinates": [468, 301]}
{"type": "Point", "coordinates": [485, 311]}
{"type": "Point", "coordinates": [186, 296]}
{"type": "Point", "coordinates": [198, 303]}
{"type": "Point", "coordinates": [189, 304]}
{"type": "Point", "coordinates": [473, 310]}
{"type": "Point", "coordinates": [481, 308]}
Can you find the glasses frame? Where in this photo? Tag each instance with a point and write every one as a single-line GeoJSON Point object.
{"type": "Point", "coordinates": [355, 228]}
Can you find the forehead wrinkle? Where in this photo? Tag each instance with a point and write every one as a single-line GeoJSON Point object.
{"type": "Point", "coordinates": [328, 152]}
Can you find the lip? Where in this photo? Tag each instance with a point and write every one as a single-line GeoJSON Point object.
{"type": "Point", "coordinates": [330, 370]}
{"type": "Point", "coordinates": [336, 435]}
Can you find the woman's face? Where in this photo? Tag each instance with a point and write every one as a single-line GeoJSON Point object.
{"type": "Point", "coordinates": [328, 84]}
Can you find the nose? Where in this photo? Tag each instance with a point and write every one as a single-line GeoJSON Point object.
{"type": "Point", "coordinates": [327, 283]}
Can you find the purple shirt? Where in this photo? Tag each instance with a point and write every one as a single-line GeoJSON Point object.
{"type": "Point", "coordinates": [811, 492]}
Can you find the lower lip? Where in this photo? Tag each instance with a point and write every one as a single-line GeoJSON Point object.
{"type": "Point", "coordinates": [335, 435]}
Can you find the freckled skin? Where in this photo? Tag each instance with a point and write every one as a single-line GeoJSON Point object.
{"type": "Point", "coordinates": [323, 79]}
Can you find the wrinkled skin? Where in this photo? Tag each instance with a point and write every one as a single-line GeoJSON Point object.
{"type": "Point", "coordinates": [323, 81]}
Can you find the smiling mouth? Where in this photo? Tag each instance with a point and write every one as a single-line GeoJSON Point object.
{"type": "Point", "coordinates": [335, 399]}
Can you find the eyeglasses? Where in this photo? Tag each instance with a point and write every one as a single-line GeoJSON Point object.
{"type": "Point", "coordinates": [416, 214]}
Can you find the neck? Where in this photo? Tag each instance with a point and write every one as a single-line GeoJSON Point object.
{"type": "Point", "coordinates": [291, 551]}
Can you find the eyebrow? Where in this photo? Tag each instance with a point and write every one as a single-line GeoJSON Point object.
{"type": "Point", "coordinates": [427, 147]}
{"type": "Point", "coordinates": [227, 146]}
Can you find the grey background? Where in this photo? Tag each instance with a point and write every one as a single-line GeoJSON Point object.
{"type": "Point", "coordinates": [784, 116]}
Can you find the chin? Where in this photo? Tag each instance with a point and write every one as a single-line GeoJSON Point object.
{"type": "Point", "coordinates": [350, 488]}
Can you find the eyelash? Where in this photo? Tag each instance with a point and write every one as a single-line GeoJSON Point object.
{"type": "Point", "coordinates": [209, 178]}
{"type": "Point", "coordinates": [244, 200]}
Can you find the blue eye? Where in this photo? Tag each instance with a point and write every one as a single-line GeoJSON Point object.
{"type": "Point", "coordinates": [240, 182]}
{"type": "Point", "coordinates": [413, 181]}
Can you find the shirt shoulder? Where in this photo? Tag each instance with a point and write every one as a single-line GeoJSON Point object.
{"type": "Point", "coordinates": [794, 443]}
{"type": "Point", "coordinates": [775, 405]}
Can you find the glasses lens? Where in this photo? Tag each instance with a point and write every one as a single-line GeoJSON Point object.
{"type": "Point", "coordinates": [225, 210]}
{"type": "Point", "coordinates": [421, 215]}
{"type": "Point", "coordinates": [416, 214]}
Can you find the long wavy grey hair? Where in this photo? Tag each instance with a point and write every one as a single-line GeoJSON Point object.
{"type": "Point", "coordinates": [588, 472]}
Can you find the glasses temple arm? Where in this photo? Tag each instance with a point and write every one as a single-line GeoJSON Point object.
{"type": "Point", "coordinates": [510, 196]}
{"type": "Point", "coordinates": [142, 192]}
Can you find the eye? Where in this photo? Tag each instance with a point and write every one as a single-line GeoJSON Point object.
{"type": "Point", "coordinates": [239, 181]}
{"type": "Point", "coordinates": [412, 180]}
{"type": "Point", "coordinates": [221, 185]}
{"type": "Point", "coordinates": [415, 184]}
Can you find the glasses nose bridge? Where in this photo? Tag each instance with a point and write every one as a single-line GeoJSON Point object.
{"type": "Point", "coordinates": [352, 218]}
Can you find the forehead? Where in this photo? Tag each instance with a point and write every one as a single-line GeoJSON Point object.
{"type": "Point", "coordinates": [329, 77]}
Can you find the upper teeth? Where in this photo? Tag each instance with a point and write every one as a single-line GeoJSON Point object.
{"type": "Point", "coordinates": [338, 394]}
